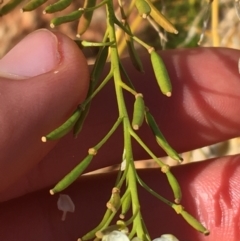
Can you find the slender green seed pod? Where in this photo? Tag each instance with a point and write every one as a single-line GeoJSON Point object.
{"type": "Point", "coordinates": [67, 18]}
{"type": "Point", "coordinates": [72, 176]}
{"type": "Point", "coordinates": [160, 138]}
{"type": "Point", "coordinates": [136, 61]}
{"type": "Point", "coordinates": [92, 233]}
{"type": "Point", "coordinates": [138, 112]}
{"type": "Point", "coordinates": [31, 5]}
{"type": "Point", "coordinates": [58, 6]}
{"type": "Point", "coordinates": [126, 204]}
{"type": "Point", "coordinates": [143, 8]}
{"type": "Point", "coordinates": [161, 74]}
{"type": "Point", "coordinates": [79, 123]}
{"type": "Point", "coordinates": [99, 65]}
{"type": "Point", "coordinates": [86, 18]}
{"type": "Point", "coordinates": [175, 187]}
{"type": "Point", "coordinates": [8, 7]}
{"type": "Point", "coordinates": [194, 222]}
{"type": "Point", "coordinates": [64, 128]}
{"type": "Point", "coordinates": [160, 19]}
{"type": "Point", "coordinates": [115, 200]}
{"type": "Point", "coordinates": [167, 148]}
{"type": "Point", "coordinates": [95, 75]}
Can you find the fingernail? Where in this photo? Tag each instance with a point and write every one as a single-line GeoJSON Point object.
{"type": "Point", "coordinates": [36, 54]}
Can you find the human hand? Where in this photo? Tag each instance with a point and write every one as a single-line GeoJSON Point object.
{"type": "Point", "coordinates": [203, 110]}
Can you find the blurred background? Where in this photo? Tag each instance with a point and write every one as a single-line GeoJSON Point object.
{"type": "Point", "coordinates": [189, 17]}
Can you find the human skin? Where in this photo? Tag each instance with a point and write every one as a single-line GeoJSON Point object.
{"type": "Point", "coordinates": [203, 110]}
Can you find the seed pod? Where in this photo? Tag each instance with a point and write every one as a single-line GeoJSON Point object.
{"type": "Point", "coordinates": [138, 112]}
{"type": "Point", "coordinates": [115, 200]}
{"type": "Point", "coordinates": [86, 18]}
{"type": "Point", "coordinates": [64, 128]}
{"type": "Point", "coordinates": [194, 222]}
{"type": "Point", "coordinates": [126, 204]}
{"type": "Point", "coordinates": [95, 75]}
{"type": "Point", "coordinates": [58, 6]}
{"type": "Point", "coordinates": [67, 18]}
{"type": "Point", "coordinates": [160, 19]}
{"type": "Point", "coordinates": [79, 123]}
{"type": "Point", "coordinates": [31, 5]}
{"type": "Point", "coordinates": [161, 74]}
{"type": "Point", "coordinates": [167, 148]}
{"type": "Point", "coordinates": [143, 8]}
{"type": "Point", "coordinates": [100, 226]}
{"type": "Point", "coordinates": [8, 7]}
{"type": "Point", "coordinates": [99, 65]}
{"type": "Point", "coordinates": [72, 175]}
{"type": "Point", "coordinates": [175, 187]}
{"type": "Point", "coordinates": [160, 138]}
{"type": "Point", "coordinates": [136, 61]}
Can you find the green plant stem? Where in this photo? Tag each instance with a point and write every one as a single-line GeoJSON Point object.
{"type": "Point", "coordinates": [123, 177]}
{"type": "Point", "coordinates": [115, 61]}
{"type": "Point", "coordinates": [147, 235]}
{"type": "Point", "coordinates": [104, 82]}
{"type": "Point", "coordinates": [142, 43]}
{"type": "Point", "coordinates": [155, 194]}
{"type": "Point", "coordinates": [129, 89]}
{"type": "Point", "coordinates": [130, 220]}
{"type": "Point", "coordinates": [106, 137]}
{"type": "Point", "coordinates": [95, 7]}
{"type": "Point", "coordinates": [92, 76]}
{"type": "Point", "coordinates": [138, 40]}
{"type": "Point", "coordinates": [110, 219]}
{"type": "Point", "coordinates": [145, 147]}
{"type": "Point", "coordinates": [133, 231]}
{"type": "Point", "coordinates": [126, 123]}
{"type": "Point", "coordinates": [126, 77]}
{"type": "Point", "coordinates": [91, 234]}
{"type": "Point", "coordinates": [132, 186]}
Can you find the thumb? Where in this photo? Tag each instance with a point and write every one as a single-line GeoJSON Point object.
{"type": "Point", "coordinates": [42, 80]}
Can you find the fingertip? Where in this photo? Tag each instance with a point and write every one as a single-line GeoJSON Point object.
{"type": "Point", "coordinates": [211, 193]}
{"type": "Point", "coordinates": [39, 103]}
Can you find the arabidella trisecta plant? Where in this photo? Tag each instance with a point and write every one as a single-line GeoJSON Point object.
{"type": "Point", "coordinates": [127, 202]}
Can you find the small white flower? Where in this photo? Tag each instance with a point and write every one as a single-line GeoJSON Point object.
{"type": "Point", "coordinates": [115, 236]}
{"type": "Point", "coordinates": [166, 237]}
{"type": "Point", "coordinates": [65, 204]}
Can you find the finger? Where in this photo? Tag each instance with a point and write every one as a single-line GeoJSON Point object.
{"type": "Point", "coordinates": [210, 192]}
{"type": "Point", "coordinates": [202, 110]}
{"type": "Point", "coordinates": [40, 88]}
